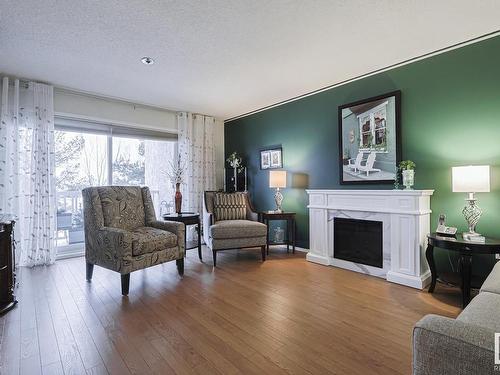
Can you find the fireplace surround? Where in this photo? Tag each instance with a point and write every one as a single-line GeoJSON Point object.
{"type": "Point", "coordinates": [405, 219]}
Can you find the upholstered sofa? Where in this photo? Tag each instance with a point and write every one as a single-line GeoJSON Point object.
{"type": "Point", "coordinates": [123, 235]}
{"type": "Point", "coordinates": [230, 222]}
{"type": "Point", "coordinates": [464, 345]}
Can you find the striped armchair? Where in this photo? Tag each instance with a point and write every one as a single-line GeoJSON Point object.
{"type": "Point", "coordinates": [229, 222]}
{"type": "Point", "coordinates": [123, 235]}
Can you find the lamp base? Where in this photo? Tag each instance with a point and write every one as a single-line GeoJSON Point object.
{"type": "Point", "coordinates": [474, 237]}
{"type": "Point", "coordinates": [278, 199]}
{"type": "Point", "coordinates": [472, 213]}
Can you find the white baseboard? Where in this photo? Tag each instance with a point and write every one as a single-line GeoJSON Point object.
{"type": "Point", "coordinates": [301, 249]}
{"type": "Point", "coordinates": [412, 281]}
{"type": "Point", "coordinates": [318, 259]}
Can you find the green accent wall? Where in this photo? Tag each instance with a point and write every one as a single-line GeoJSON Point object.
{"type": "Point", "coordinates": [450, 116]}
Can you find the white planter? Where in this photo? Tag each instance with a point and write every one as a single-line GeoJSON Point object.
{"type": "Point", "coordinates": [408, 178]}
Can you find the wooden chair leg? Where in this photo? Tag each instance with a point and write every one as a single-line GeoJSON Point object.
{"type": "Point", "coordinates": [125, 284]}
{"type": "Point", "coordinates": [263, 251]}
{"type": "Point", "coordinates": [90, 271]}
{"type": "Point", "coordinates": [180, 266]}
{"type": "Point", "coordinates": [214, 256]}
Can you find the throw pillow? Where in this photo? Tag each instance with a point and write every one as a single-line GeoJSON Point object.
{"type": "Point", "coordinates": [230, 206]}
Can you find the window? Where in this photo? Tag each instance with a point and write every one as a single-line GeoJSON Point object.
{"type": "Point", "coordinates": [372, 127]}
{"type": "Point", "coordinates": [94, 156]}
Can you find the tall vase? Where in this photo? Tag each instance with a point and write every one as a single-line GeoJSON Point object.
{"type": "Point", "coordinates": [235, 176]}
{"type": "Point", "coordinates": [178, 198]}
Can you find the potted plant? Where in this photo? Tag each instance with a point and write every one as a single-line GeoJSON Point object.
{"type": "Point", "coordinates": [407, 168]}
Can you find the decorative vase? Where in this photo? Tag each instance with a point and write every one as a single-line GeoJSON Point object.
{"type": "Point", "coordinates": [279, 235]}
{"type": "Point", "coordinates": [178, 198]}
{"type": "Point", "coordinates": [408, 178]}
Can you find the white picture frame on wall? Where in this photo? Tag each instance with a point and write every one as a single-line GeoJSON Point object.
{"type": "Point", "coordinates": [265, 159]}
{"type": "Point", "coordinates": [271, 157]}
{"type": "Point", "coordinates": [276, 159]}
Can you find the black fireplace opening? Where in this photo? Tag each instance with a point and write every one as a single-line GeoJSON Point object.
{"type": "Point", "coordinates": [358, 241]}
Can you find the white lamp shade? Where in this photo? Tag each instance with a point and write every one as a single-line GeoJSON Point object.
{"type": "Point", "coordinates": [471, 179]}
{"type": "Point", "coordinates": [277, 179]}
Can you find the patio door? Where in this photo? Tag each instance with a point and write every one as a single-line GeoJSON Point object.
{"type": "Point", "coordinates": [95, 156]}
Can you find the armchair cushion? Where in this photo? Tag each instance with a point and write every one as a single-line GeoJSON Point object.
{"type": "Point", "coordinates": [148, 240]}
{"type": "Point", "coordinates": [230, 206]}
{"type": "Point", "coordinates": [227, 229]}
{"type": "Point", "coordinates": [122, 206]}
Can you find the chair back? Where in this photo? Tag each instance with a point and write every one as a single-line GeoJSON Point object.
{"type": "Point", "coordinates": [209, 200]}
{"type": "Point", "coordinates": [359, 158]}
{"type": "Point", "coordinates": [123, 207]}
{"type": "Point", "coordinates": [371, 160]}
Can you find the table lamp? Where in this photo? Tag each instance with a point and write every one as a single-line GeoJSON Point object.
{"type": "Point", "coordinates": [277, 179]}
{"type": "Point", "coordinates": [471, 179]}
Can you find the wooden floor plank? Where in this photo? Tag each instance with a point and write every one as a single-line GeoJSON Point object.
{"type": "Point", "coordinates": [283, 316]}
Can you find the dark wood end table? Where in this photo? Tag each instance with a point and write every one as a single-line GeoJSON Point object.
{"type": "Point", "coordinates": [188, 218]}
{"type": "Point", "coordinates": [267, 216]}
{"type": "Point", "coordinates": [465, 249]}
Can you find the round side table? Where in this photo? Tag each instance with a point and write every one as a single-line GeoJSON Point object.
{"type": "Point", "coordinates": [465, 249]}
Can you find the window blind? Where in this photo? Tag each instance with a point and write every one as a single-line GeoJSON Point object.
{"type": "Point", "coordinates": [94, 127]}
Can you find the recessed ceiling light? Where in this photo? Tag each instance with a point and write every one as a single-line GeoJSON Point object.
{"type": "Point", "coordinates": [147, 60]}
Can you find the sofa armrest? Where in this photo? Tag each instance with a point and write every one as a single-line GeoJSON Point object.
{"type": "Point", "coordinates": [175, 227]}
{"type": "Point", "coordinates": [116, 242]}
{"type": "Point", "coordinates": [447, 346]}
{"type": "Point", "coordinates": [252, 215]}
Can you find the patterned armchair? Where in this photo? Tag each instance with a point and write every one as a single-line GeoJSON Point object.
{"type": "Point", "coordinates": [229, 222]}
{"type": "Point", "coordinates": [123, 235]}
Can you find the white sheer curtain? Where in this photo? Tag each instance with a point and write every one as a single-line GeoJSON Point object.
{"type": "Point", "coordinates": [197, 153]}
{"type": "Point", "coordinates": [27, 188]}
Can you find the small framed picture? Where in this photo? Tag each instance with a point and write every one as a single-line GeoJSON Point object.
{"type": "Point", "coordinates": [265, 159]}
{"type": "Point", "coordinates": [271, 157]}
{"type": "Point", "coordinates": [276, 159]}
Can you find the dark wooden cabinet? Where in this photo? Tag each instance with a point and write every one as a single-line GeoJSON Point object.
{"type": "Point", "coordinates": [7, 265]}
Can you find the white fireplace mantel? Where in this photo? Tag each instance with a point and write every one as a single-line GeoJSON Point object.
{"type": "Point", "coordinates": [405, 217]}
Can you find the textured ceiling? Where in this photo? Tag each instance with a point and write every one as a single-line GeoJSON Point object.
{"type": "Point", "coordinates": [225, 58]}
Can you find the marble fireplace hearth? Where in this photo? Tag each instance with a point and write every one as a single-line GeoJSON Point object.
{"type": "Point", "coordinates": [405, 218]}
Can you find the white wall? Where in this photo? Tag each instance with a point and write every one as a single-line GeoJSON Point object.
{"type": "Point", "coordinates": [106, 110]}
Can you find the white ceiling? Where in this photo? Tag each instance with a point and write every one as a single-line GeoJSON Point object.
{"type": "Point", "coordinates": [224, 57]}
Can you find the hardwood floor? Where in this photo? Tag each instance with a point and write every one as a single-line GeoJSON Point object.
{"type": "Point", "coordinates": [245, 317]}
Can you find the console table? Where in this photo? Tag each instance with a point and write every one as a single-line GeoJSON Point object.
{"type": "Point", "coordinates": [7, 264]}
{"type": "Point", "coordinates": [465, 249]}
